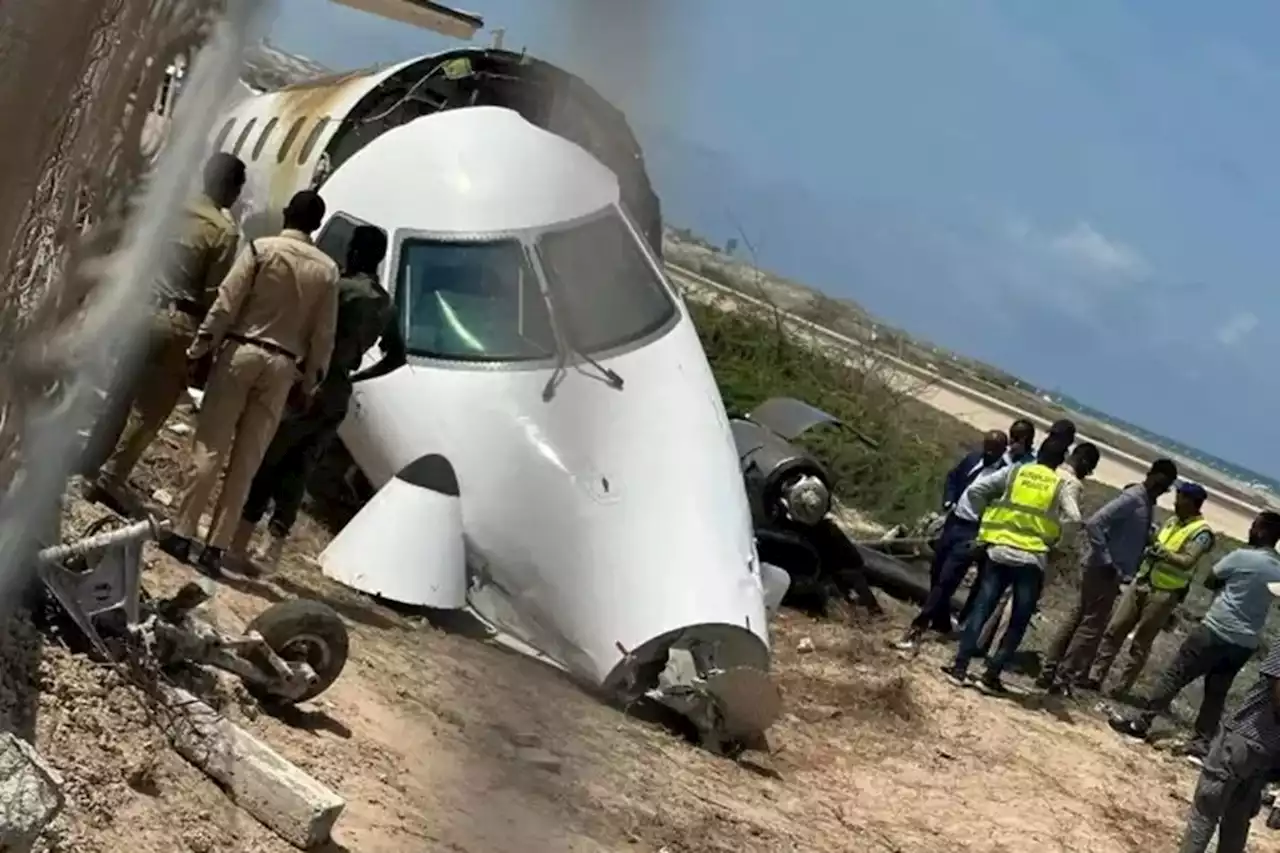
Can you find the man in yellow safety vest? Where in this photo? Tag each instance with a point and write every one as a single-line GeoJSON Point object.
{"type": "Point", "coordinates": [1162, 583]}
{"type": "Point", "coordinates": [1022, 508]}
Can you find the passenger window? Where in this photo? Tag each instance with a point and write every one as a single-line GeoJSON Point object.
{"type": "Point", "coordinates": [263, 137]}
{"type": "Point", "coordinates": [244, 136]}
{"type": "Point", "coordinates": [223, 134]}
{"type": "Point", "coordinates": [335, 237]}
{"type": "Point", "coordinates": [472, 301]}
{"type": "Point", "coordinates": [312, 139]}
{"type": "Point", "coordinates": [289, 137]}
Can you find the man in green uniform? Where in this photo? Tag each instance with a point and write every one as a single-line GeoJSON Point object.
{"type": "Point", "coordinates": [365, 314]}
{"type": "Point", "coordinates": [205, 250]}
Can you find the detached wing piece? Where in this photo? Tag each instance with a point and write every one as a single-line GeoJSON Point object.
{"type": "Point", "coordinates": [789, 417]}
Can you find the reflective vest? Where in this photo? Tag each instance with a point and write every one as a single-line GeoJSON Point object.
{"type": "Point", "coordinates": [1174, 534]}
{"type": "Point", "coordinates": [1021, 518]}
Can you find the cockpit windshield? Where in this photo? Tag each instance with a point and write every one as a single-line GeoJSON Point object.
{"type": "Point", "coordinates": [482, 300]}
{"type": "Point", "coordinates": [605, 292]}
{"type": "Point", "coordinates": [472, 301]}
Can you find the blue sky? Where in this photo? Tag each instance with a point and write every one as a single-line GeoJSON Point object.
{"type": "Point", "coordinates": [1083, 193]}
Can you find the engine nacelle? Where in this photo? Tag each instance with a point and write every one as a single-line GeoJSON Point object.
{"type": "Point", "coordinates": [407, 543]}
{"type": "Point", "coordinates": [769, 461]}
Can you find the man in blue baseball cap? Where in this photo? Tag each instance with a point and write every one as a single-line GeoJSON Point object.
{"type": "Point", "coordinates": [1163, 580]}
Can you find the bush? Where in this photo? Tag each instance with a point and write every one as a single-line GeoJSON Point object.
{"type": "Point", "coordinates": [754, 358]}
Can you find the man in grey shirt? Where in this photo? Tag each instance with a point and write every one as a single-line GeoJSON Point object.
{"type": "Point", "coordinates": [1229, 792]}
{"type": "Point", "coordinates": [1116, 537]}
{"type": "Point", "coordinates": [1225, 639]}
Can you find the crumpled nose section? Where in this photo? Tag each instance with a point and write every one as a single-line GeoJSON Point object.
{"type": "Point", "coordinates": [655, 536]}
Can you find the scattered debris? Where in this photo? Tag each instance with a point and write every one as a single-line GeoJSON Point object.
{"type": "Point", "coordinates": [162, 497]}
{"type": "Point", "coordinates": [298, 808]}
{"type": "Point", "coordinates": [30, 794]}
{"type": "Point", "coordinates": [818, 713]}
{"type": "Point", "coordinates": [805, 646]}
{"type": "Point", "coordinates": [540, 758]}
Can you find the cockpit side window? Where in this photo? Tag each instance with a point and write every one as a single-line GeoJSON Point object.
{"type": "Point", "coordinates": [606, 292]}
{"type": "Point", "coordinates": [335, 237]}
{"type": "Point", "coordinates": [472, 301]}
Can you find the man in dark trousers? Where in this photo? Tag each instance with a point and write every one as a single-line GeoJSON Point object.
{"type": "Point", "coordinates": [952, 549]}
{"type": "Point", "coordinates": [1024, 510]}
{"type": "Point", "coordinates": [1116, 539]}
{"type": "Point", "coordinates": [365, 314]}
{"type": "Point", "coordinates": [1022, 443]}
{"type": "Point", "coordinates": [1228, 635]}
{"type": "Point", "coordinates": [1243, 756]}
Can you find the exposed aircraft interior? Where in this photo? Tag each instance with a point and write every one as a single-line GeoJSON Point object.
{"type": "Point", "coordinates": [545, 95]}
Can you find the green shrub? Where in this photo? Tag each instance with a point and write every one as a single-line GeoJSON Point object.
{"type": "Point", "coordinates": [896, 481]}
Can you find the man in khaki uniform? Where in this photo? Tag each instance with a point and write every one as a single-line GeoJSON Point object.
{"type": "Point", "coordinates": [205, 249]}
{"type": "Point", "coordinates": [274, 319]}
{"type": "Point", "coordinates": [1162, 583]}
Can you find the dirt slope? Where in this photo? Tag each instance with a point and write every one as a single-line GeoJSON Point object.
{"type": "Point", "coordinates": [440, 742]}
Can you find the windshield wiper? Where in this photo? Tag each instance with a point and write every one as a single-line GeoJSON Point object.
{"type": "Point", "coordinates": [549, 390]}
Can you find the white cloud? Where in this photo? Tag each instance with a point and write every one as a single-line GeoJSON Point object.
{"type": "Point", "coordinates": [1086, 247]}
{"type": "Point", "coordinates": [1236, 328]}
{"type": "Point", "coordinates": [1081, 251]}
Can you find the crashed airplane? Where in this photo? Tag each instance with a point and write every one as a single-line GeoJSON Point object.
{"type": "Point", "coordinates": [554, 458]}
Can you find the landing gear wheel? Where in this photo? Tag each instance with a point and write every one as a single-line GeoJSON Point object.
{"type": "Point", "coordinates": [299, 631]}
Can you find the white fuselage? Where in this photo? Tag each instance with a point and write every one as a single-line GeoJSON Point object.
{"type": "Point", "coordinates": [601, 523]}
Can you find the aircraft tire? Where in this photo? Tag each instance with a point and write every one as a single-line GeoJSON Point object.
{"type": "Point", "coordinates": [302, 630]}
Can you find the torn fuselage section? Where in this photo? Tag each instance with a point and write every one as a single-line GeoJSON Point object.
{"type": "Point", "coordinates": [731, 706]}
{"type": "Point", "coordinates": [544, 94]}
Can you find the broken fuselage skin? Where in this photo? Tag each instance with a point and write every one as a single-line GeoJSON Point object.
{"type": "Point", "coordinates": [551, 363]}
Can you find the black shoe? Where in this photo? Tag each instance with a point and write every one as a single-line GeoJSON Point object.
{"type": "Point", "coordinates": [1061, 690]}
{"type": "Point", "coordinates": [943, 628]}
{"type": "Point", "coordinates": [1044, 680]}
{"type": "Point", "coordinates": [178, 547]}
{"type": "Point", "coordinates": [176, 607]}
{"type": "Point", "coordinates": [958, 676]}
{"type": "Point", "coordinates": [1092, 685]}
{"type": "Point", "coordinates": [106, 493]}
{"type": "Point", "coordinates": [910, 641]}
{"type": "Point", "coordinates": [991, 685]}
{"type": "Point", "coordinates": [1194, 751]}
{"type": "Point", "coordinates": [1128, 728]}
{"type": "Point", "coordinates": [210, 563]}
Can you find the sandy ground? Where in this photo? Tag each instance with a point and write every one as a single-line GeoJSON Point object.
{"type": "Point", "coordinates": [440, 742]}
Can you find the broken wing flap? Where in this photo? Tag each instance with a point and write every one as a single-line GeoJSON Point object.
{"type": "Point", "coordinates": [790, 418]}
{"type": "Point", "coordinates": [406, 544]}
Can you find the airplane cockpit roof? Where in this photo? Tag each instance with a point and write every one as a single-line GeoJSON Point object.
{"type": "Point", "coordinates": [476, 171]}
